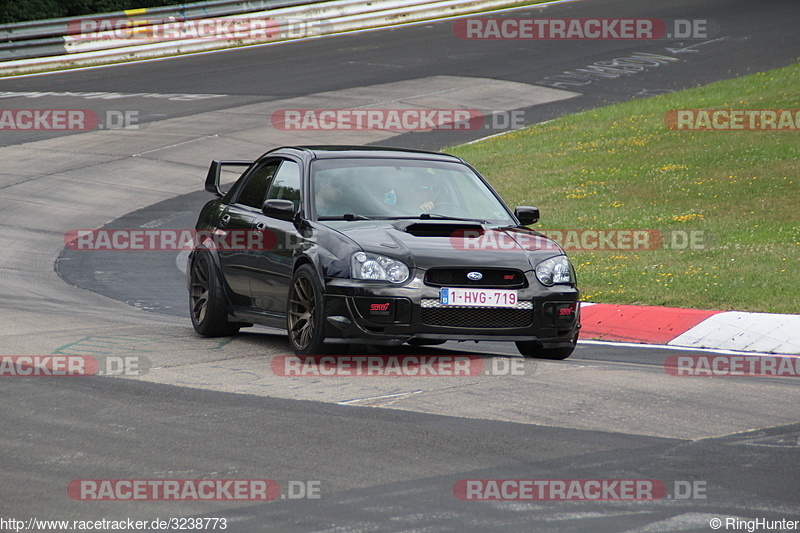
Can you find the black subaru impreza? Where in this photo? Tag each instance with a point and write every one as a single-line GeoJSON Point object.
{"type": "Point", "coordinates": [371, 245]}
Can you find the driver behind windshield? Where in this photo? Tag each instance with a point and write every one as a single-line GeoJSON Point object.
{"type": "Point", "coordinates": [428, 194]}
{"type": "Point", "coordinates": [414, 195]}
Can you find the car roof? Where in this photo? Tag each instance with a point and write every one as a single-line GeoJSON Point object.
{"type": "Point", "coordinates": [349, 151]}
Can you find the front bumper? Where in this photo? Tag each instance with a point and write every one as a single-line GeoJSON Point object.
{"type": "Point", "coordinates": [382, 313]}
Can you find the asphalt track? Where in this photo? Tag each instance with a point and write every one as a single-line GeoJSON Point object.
{"type": "Point", "coordinates": [387, 453]}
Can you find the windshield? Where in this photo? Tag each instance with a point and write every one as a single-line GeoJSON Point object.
{"type": "Point", "coordinates": [402, 188]}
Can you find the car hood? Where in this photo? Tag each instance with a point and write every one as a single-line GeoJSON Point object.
{"type": "Point", "coordinates": [427, 243]}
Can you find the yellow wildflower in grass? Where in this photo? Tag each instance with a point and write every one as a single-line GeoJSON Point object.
{"type": "Point", "coordinates": [686, 218]}
{"type": "Point", "coordinates": [671, 166]}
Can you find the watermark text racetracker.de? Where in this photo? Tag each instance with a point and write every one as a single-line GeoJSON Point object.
{"type": "Point", "coordinates": [72, 365]}
{"type": "Point", "coordinates": [67, 120]}
{"type": "Point", "coordinates": [577, 490]}
{"type": "Point", "coordinates": [396, 366]}
{"type": "Point", "coordinates": [582, 28]}
{"type": "Point", "coordinates": [136, 30]}
{"type": "Point", "coordinates": [193, 490]}
{"type": "Point", "coordinates": [396, 120]}
{"type": "Point", "coordinates": [629, 240]}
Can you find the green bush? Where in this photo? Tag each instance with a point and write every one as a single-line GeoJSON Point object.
{"type": "Point", "coordinates": [22, 10]}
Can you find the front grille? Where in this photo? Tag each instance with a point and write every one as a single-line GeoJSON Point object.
{"type": "Point", "coordinates": [435, 314]}
{"type": "Point", "coordinates": [492, 277]}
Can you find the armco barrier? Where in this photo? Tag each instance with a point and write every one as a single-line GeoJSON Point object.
{"type": "Point", "coordinates": [42, 38]}
{"type": "Point", "coordinates": [39, 29]}
{"type": "Point", "coordinates": [291, 20]}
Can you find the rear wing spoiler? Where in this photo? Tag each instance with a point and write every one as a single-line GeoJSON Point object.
{"type": "Point", "coordinates": [214, 171]}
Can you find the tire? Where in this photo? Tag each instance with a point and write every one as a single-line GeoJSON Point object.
{"type": "Point", "coordinates": [304, 313]}
{"type": "Point", "coordinates": [207, 302]}
{"type": "Point", "coordinates": [536, 350]}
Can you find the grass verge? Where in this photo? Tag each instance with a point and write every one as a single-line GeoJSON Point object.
{"type": "Point", "coordinates": [621, 168]}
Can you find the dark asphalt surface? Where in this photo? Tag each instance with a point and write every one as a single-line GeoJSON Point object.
{"type": "Point", "coordinates": [379, 469]}
{"type": "Point", "coordinates": [747, 37]}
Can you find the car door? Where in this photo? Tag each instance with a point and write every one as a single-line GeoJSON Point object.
{"type": "Point", "coordinates": [272, 269]}
{"type": "Point", "coordinates": [236, 220]}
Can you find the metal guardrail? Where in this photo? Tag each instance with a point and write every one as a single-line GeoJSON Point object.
{"type": "Point", "coordinates": [40, 29]}
{"type": "Point", "coordinates": [42, 38]}
{"type": "Point", "coordinates": [145, 31]}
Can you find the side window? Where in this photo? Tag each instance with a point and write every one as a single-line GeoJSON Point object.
{"type": "Point", "coordinates": [286, 185]}
{"type": "Point", "coordinates": [255, 190]}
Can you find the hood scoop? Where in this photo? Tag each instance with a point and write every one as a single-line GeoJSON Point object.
{"type": "Point", "coordinates": [439, 228]}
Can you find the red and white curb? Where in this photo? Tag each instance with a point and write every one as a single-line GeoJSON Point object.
{"type": "Point", "coordinates": [692, 328]}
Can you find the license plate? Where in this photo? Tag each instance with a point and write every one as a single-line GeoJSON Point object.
{"type": "Point", "coordinates": [478, 297]}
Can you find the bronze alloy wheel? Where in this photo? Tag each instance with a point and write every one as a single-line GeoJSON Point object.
{"type": "Point", "coordinates": [207, 300]}
{"type": "Point", "coordinates": [199, 288]}
{"type": "Point", "coordinates": [303, 302]}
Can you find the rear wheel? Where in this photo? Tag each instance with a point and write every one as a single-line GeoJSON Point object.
{"type": "Point", "coordinates": [304, 316]}
{"type": "Point", "coordinates": [207, 305]}
{"type": "Point", "coordinates": [536, 350]}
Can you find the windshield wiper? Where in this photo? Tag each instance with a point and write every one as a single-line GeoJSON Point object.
{"type": "Point", "coordinates": [347, 216]}
{"type": "Point", "coordinates": [423, 216]}
{"type": "Point", "coordinates": [437, 216]}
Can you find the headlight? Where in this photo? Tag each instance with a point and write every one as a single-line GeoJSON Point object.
{"type": "Point", "coordinates": [555, 271]}
{"type": "Point", "coordinates": [378, 267]}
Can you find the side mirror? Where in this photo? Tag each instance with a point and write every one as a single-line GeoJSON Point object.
{"type": "Point", "coordinates": [527, 215]}
{"type": "Point", "coordinates": [281, 209]}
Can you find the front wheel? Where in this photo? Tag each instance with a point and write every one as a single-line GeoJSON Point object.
{"type": "Point", "coordinates": [536, 350]}
{"type": "Point", "coordinates": [207, 305]}
{"type": "Point", "coordinates": [304, 315]}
